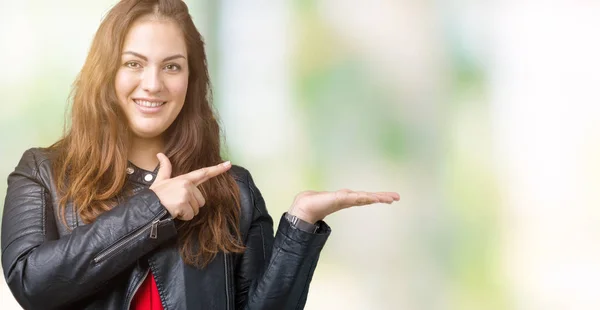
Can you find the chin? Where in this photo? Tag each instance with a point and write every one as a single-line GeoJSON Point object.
{"type": "Point", "coordinates": [147, 133]}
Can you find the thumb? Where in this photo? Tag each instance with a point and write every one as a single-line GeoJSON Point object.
{"type": "Point", "coordinates": [164, 168]}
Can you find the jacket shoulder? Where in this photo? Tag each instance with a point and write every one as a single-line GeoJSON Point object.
{"type": "Point", "coordinates": [240, 174]}
{"type": "Point", "coordinates": [246, 184]}
{"type": "Point", "coordinates": [252, 204]}
{"type": "Point", "coordinates": [248, 190]}
{"type": "Point", "coordinates": [36, 163]}
{"type": "Point", "coordinates": [33, 158]}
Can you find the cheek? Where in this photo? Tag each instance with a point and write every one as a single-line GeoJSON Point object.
{"type": "Point", "coordinates": [124, 85]}
{"type": "Point", "coordinates": [178, 89]}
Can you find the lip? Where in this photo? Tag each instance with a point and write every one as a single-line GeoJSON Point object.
{"type": "Point", "coordinates": [148, 99]}
{"type": "Point", "coordinates": [148, 110]}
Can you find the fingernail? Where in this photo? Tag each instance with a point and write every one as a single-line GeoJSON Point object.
{"type": "Point", "coordinates": [226, 164]}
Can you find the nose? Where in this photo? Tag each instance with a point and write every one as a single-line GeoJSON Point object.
{"type": "Point", "coordinates": [151, 80]}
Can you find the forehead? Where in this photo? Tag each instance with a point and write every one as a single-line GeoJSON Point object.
{"type": "Point", "coordinates": [155, 38]}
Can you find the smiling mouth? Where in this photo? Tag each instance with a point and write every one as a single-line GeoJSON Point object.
{"type": "Point", "coordinates": [149, 104]}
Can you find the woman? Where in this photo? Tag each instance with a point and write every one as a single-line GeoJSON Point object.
{"type": "Point", "coordinates": [133, 207]}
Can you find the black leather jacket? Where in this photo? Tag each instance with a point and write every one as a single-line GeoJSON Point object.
{"type": "Point", "coordinates": [101, 265]}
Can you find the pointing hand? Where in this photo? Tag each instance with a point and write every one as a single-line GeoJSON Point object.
{"type": "Point", "coordinates": [180, 195]}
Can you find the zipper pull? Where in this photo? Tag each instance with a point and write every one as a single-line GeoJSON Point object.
{"type": "Point", "coordinates": [154, 229]}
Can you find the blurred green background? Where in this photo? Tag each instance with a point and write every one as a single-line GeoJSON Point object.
{"type": "Point", "coordinates": [481, 114]}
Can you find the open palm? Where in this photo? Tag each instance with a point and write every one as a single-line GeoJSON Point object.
{"type": "Point", "coordinates": [313, 206]}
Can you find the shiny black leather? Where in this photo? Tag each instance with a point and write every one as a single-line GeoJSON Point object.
{"type": "Point", "coordinates": [101, 265]}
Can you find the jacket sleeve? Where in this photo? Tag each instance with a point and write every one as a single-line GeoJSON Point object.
{"type": "Point", "coordinates": [47, 272]}
{"type": "Point", "coordinates": [275, 272]}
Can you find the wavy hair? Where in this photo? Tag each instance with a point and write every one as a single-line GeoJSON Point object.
{"type": "Point", "coordinates": [92, 155]}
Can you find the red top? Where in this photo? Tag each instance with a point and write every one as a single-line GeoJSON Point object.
{"type": "Point", "coordinates": [147, 298]}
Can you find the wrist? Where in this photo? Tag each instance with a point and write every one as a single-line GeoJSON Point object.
{"type": "Point", "coordinates": [302, 215]}
{"type": "Point", "coordinates": [300, 224]}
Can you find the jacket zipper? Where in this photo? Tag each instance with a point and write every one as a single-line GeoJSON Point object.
{"type": "Point", "coordinates": [226, 282]}
{"type": "Point", "coordinates": [137, 287]}
{"type": "Point", "coordinates": [153, 234]}
{"type": "Point", "coordinates": [158, 287]}
{"type": "Point", "coordinates": [154, 229]}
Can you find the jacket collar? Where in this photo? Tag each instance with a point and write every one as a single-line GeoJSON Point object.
{"type": "Point", "coordinates": [139, 175]}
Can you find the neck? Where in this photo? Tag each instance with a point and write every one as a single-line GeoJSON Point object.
{"type": "Point", "coordinates": [142, 152]}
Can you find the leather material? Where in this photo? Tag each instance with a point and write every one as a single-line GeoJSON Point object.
{"type": "Point", "coordinates": [147, 298]}
{"type": "Point", "coordinates": [48, 265]}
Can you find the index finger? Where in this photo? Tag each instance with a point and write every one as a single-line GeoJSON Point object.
{"type": "Point", "coordinates": [204, 174]}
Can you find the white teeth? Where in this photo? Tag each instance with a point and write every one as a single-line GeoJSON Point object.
{"type": "Point", "coordinates": [148, 104]}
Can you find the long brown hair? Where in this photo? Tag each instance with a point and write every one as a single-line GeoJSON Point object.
{"type": "Point", "coordinates": [92, 156]}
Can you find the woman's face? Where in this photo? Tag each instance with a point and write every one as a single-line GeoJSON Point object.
{"type": "Point", "coordinates": [152, 79]}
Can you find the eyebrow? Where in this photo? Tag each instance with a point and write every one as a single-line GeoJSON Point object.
{"type": "Point", "coordinates": [146, 58]}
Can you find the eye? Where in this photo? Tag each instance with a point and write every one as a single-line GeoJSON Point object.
{"type": "Point", "coordinates": [132, 65]}
{"type": "Point", "coordinates": [173, 67]}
